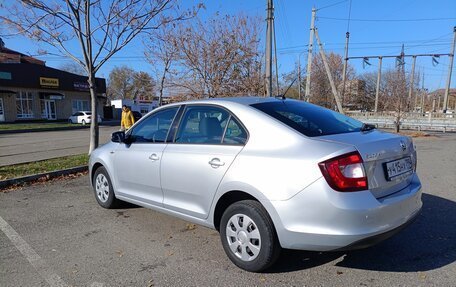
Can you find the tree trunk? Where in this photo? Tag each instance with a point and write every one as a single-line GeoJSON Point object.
{"type": "Point", "coordinates": [94, 131]}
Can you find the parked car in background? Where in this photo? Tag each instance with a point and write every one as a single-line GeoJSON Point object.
{"type": "Point", "coordinates": [266, 173]}
{"type": "Point", "coordinates": [136, 115]}
{"type": "Point", "coordinates": [82, 117]}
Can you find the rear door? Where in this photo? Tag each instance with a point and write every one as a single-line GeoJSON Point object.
{"type": "Point", "coordinates": [207, 141]}
{"type": "Point", "coordinates": [138, 164]}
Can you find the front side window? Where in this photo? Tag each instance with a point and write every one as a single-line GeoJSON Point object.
{"type": "Point", "coordinates": [155, 128]}
{"type": "Point", "coordinates": [202, 125]}
{"type": "Point", "coordinates": [308, 119]}
{"type": "Point", "coordinates": [24, 105]}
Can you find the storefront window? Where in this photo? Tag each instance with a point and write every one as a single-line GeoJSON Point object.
{"type": "Point", "coordinates": [79, 105]}
{"type": "Point", "coordinates": [24, 105]}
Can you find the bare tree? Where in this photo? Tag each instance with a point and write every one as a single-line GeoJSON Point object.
{"type": "Point", "coordinates": [162, 51]}
{"type": "Point", "coordinates": [143, 86]}
{"type": "Point", "coordinates": [220, 57]}
{"type": "Point", "coordinates": [101, 28]}
{"type": "Point", "coordinates": [321, 93]}
{"type": "Point", "coordinates": [126, 83]}
{"type": "Point", "coordinates": [120, 83]}
{"type": "Point", "coordinates": [72, 67]}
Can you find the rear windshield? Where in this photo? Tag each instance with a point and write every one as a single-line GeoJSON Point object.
{"type": "Point", "coordinates": [308, 119]}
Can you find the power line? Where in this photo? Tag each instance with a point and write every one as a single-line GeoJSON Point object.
{"type": "Point", "coordinates": [388, 20]}
{"type": "Point", "coordinates": [349, 16]}
{"type": "Point", "coordinates": [331, 5]}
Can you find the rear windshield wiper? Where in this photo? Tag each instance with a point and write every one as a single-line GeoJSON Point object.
{"type": "Point", "coordinates": [367, 127]}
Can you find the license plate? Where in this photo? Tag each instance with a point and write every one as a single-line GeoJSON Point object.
{"type": "Point", "coordinates": [398, 167]}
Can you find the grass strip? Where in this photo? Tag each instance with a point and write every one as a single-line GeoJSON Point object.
{"type": "Point", "coordinates": [23, 169]}
{"type": "Point", "coordinates": [28, 126]}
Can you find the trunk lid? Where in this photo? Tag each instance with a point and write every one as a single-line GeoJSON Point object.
{"type": "Point", "coordinates": [380, 150]}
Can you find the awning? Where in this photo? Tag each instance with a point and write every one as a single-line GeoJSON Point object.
{"type": "Point", "coordinates": [7, 92]}
{"type": "Point", "coordinates": [52, 95]}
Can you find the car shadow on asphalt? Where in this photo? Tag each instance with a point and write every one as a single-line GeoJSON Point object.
{"type": "Point", "coordinates": [428, 243]}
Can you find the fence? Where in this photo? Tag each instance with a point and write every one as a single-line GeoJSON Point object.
{"type": "Point", "coordinates": [445, 122]}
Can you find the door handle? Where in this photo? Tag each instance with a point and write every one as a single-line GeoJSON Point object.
{"type": "Point", "coordinates": [215, 162]}
{"type": "Point", "coordinates": [154, 157]}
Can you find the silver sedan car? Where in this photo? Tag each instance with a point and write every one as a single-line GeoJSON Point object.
{"type": "Point", "coordinates": [266, 173]}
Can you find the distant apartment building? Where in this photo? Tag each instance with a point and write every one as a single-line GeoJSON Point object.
{"type": "Point", "coordinates": [29, 90]}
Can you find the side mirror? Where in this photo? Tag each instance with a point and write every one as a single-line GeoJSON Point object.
{"type": "Point", "coordinates": [118, 137]}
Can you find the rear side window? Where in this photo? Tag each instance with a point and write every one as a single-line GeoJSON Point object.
{"type": "Point", "coordinates": [308, 119]}
{"type": "Point", "coordinates": [234, 134]}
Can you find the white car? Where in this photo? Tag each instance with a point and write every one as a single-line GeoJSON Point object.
{"type": "Point", "coordinates": [82, 117]}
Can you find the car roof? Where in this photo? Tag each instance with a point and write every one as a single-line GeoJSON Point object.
{"type": "Point", "coordinates": [239, 100]}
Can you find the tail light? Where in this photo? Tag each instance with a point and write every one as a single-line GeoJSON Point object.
{"type": "Point", "coordinates": [89, 117]}
{"type": "Point", "coordinates": [345, 172]}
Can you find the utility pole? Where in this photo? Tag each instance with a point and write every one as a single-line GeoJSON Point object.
{"type": "Point", "coordinates": [412, 78]}
{"type": "Point", "coordinates": [423, 92]}
{"type": "Point", "coordinates": [377, 89]}
{"type": "Point", "coordinates": [450, 69]}
{"type": "Point", "coordinates": [328, 73]}
{"type": "Point", "coordinates": [344, 71]}
{"type": "Point", "coordinates": [299, 78]}
{"type": "Point", "coordinates": [269, 31]}
{"type": "Point", "coordinates": [309, 53]}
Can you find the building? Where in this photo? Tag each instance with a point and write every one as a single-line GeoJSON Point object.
{"type": "Point", "coordinates": [29, 90]}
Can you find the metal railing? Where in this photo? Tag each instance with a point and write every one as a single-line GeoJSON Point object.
{"type": "Point", "coordinates": [434, 121]}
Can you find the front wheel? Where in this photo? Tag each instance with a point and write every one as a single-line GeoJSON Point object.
{"type": "Point", "coordinates": [248, 236]}
{"type": "Point", "coordinates": [102, 186]}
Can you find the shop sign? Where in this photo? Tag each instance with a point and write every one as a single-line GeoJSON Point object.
{"type": "Point", "coordinates": [49, 82]}
{"type": "Point", "coordinates": [81, 86]}
{"type": "Point", "coordinates": [5, 76]}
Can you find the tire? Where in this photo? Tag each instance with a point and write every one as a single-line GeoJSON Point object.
{"type": "Point", "coordinates": [103, 190]}
{"type": "Point", "coordinates": [83, 122]}
{"type": "Point", "coordinates": [70, 121]}
{"type": "Point", "coordinates": [248, 236]}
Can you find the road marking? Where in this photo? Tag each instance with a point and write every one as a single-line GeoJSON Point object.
{"type": "Point", "coordinates": [35, 260]}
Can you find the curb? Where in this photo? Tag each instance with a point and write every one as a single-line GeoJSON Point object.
{"type": "Point", "coordinates": [48, 175]}
{"type": "Point", "coordinates": [43, 130]}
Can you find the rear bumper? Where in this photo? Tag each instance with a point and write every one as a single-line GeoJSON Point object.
{"type": "Point", "coordinates": [321, 219]}
{"type": "Point", "coordinates": [375, 239]}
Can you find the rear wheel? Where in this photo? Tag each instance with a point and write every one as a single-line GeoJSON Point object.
{"type": "Point", "coordinates": [248, 236]}
{"type": "Point", "coordinates": [83, 122]}
{"type": "Point", "coordinates": [102, 186]}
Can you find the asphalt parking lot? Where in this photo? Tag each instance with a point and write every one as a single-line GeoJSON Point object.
{"type": "Point", "coordinates": [55, 234]}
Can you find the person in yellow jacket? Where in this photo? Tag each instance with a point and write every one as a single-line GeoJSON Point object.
{"type": "Point", "coordinates": [127, 118]}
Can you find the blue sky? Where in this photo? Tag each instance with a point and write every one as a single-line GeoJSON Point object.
{"type": "Point", "coordinates": [376, 28]}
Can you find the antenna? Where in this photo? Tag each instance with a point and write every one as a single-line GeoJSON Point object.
{"type": "Point", "coordinates": [283, 95]}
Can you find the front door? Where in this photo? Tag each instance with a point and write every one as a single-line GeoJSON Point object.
{"type": "Point", "coordinates": [49, 109]}
{"type": "Point", "coordinates": [137, 165]}
{"type": "Point", "coordinates": [2, 112]}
